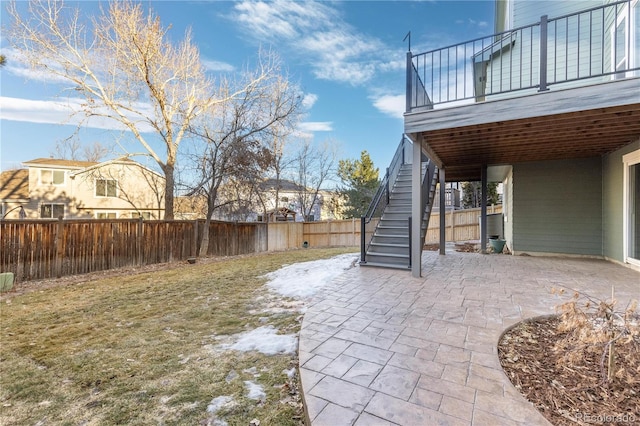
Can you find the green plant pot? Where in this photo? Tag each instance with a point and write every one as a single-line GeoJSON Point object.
{"type": "Point", "coordinates": [6, 281]}
{"type": "Point", "coordinates": [497, 245]}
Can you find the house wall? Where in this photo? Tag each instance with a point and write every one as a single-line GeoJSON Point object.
{"type": "Point", "coordinates": [138, 190]}
{"type": "Point", "coordinates": [577, 47]}
{"type": "Point", "coordinates": [612, 201]}
{"type": "Point", "coordinates": [43, 193]}
{"type": "Point", "coordinates": [557, 207]}
{"type": "Point", "coordinates": [528, 12]}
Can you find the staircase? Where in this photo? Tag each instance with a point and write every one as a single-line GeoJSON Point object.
{"type": "Point", "coordinates": [390, 243]}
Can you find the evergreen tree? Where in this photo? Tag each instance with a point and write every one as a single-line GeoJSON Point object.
{"type": "Point", "coordinates": [360, 182]}
{"type": "Point", "coordinates": [472, 194]}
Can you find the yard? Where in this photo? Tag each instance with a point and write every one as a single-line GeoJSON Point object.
{"type": "Point", "coordinates": [208, 343]}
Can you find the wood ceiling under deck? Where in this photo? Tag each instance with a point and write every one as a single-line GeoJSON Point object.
{"type": "Point", "coordinates": [542, 135]}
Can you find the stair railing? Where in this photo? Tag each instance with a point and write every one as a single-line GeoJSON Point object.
{"type": "Point", "coordinates": [381, 199]}
{"type": "Point", "coordinates": [427, 182]}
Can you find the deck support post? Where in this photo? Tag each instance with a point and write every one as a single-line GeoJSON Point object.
{"type": "Point", "coordinates": [443, 211]}
{"type": "Point", "coordinates": [483, 210]}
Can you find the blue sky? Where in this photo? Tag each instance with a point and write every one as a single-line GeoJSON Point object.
{"type": "Point", "coordinates": [348, 57]}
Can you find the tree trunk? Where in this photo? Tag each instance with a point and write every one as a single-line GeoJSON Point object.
{"type": "Point", "coordinates": [169, 184]}
{"type": "Point", "coordinates": [204, 245]}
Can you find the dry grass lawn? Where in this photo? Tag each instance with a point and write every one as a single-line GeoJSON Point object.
{"type": "Point", "coordinates": [143, 347]}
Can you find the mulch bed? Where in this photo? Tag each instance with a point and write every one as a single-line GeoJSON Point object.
{"type": "Point", "coordinates": [570, 394]}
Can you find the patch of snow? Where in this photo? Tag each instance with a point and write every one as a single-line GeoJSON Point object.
{"type": "Point", "coordinates": [255, 391]}
{"type": "Point", "coordinates": [231, 376]}
{"type": "Point", "coordinates": [218, 402]}
{"type": "Point", "coordinates": [253, 370]}
{"type": "Point", "coordinates": [265, 340]}
{"type": "Point", "coordinates": [303, 280]}
{"type": "Point", "coordinates": [290, 373]}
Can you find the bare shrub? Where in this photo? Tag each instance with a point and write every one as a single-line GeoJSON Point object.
{"type": "Point", "coordinates": [595, 327]}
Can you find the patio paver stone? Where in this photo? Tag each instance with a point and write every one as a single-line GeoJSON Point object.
{"type": "Point", "coordinates": [379, 347]}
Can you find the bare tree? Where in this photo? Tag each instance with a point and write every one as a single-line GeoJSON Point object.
{"type": "Point", "coordinates": [315, 167]}
{"type": "Point", "coordinates": [72, 149]}
{"type": "Point", "coordinates": [125, 69]}
{"type": "Point", "coordinates": [233, 133]}
{"type": "Point", "coordinates": [281, 162]}
{"type": "Point", "coordinates": [95, 151]}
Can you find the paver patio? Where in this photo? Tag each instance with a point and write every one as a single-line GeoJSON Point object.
{"type": "Point", "coordinates": [379, 347]}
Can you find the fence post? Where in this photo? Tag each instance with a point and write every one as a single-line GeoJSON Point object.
{"type": "Point", "coordinates": [237, 237]}
{"type": "Point", "coordinates": [353, 229]}
{"type": "Point", "coordinates": [194, 243]}
{"type": "Point", "coordinates": [139, 238]}
{"type": "Point", "coordinates": [543, 53]}
{"type": "Point", "coordinates": [59, 247]}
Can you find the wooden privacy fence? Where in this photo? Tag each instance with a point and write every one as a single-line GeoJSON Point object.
{"type": "Point", "coordinates": [37, 249]}
{"type": "Point", "coordinates": [335, 233]}
{"type": "Point", "coordinates": [461, 225]}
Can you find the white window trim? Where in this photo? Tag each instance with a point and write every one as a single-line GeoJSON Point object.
{"type": "Point", "coordinates": [628, 160]}
{"type": "Point", "coordinates": [95, 186]}
{"type": "Point", "coordinates": [64, 177]}
{"type": "Point", "coordinates": [630, 39]}
{"type": "Point", "coordinates": [64, 209]}
{"type": "Point", "coordinates": [106, 212]}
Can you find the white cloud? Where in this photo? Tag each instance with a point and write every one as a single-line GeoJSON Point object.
{"type": "Point", "coordinates": [18, 64]}
{"type": "Point", "coordinates": [315, 126]}
{"type": "Point", "coordinates": [392, 105]}
{"type": "Point", "coordinates": [319, 35]}
{"type": "Point", "coordinates": [67, 112]}
{"type": "Point", "coordinates": [309, 100]}
{"type": "Point", "coordinates": [34, 111]}
{"type": "Point", "coordinates": [217, 66]}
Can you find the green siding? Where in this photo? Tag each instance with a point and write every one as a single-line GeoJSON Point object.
{"type": "Point", "coordinates": [612, 196]}
{"type": "Point", "coordinates": [557, 207]}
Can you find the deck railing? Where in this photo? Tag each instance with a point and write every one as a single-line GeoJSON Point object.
{"type": "Point", "coordinates": [594, 45]}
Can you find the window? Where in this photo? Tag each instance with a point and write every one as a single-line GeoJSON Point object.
{"type": "Point", "coordinates": [106, 215]}
{"type": "Point", "coordinates": [51, 211]}
{"type": "Point", "coordinates": [106, 187]}
{"type": "Point", "coordinates": [623, 39]}
{"type": "Point", "coordinates": [146, 215]}
{"type": "Point", "coordinates": [52, 177]}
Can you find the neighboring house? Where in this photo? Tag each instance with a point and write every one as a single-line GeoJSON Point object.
{"type": "Point", "coordinates": [14, 192]}
{"type": "Point", "coordinates": [551, 110]}
{"type": "Point", "coordinates": [289, 195]}
{"type": "Point", "coordinates": [190, 207]}
{"type": "Point", "coordinates": [53, 188]}
{"type": "Point", "coordinates": [253, 206]}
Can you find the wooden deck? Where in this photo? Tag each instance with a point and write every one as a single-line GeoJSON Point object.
{"type": "Point", "coordinates": [581, 122]}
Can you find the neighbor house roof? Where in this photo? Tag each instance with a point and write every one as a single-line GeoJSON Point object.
{"type": "Point", "coordinates": [283, 185]}
{"type": "Point", "coordinates": [54, 162]}
{"type": "Point", "coordinates": [121, 160]}
{"type": "Point", "coordinates": [14, 185]}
